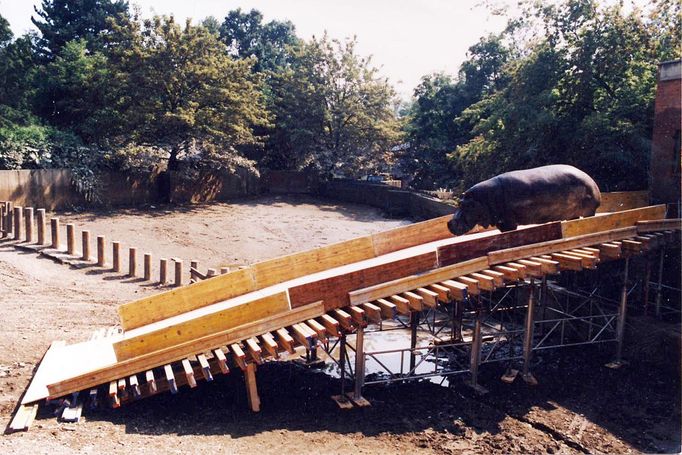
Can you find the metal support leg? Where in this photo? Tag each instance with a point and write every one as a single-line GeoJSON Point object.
{"type": "Point", "coordinates": [620, 325]}
{"type": "Point", "coordinates": [475, 357]}
{"type": "Point", "coordinates": [659, 285]}
{"type": "Point", "coordinates": [645, 284]}
{"type": "Point", "coordinates": [357, 398]}
{"type": "Point", "coordinates": [528, 336]}
{"type": "Point", "coordinates": [414, 325]}
{"type": "Point", "coordinates": [342, 400]}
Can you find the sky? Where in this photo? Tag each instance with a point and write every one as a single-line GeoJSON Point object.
{"type": "Point", "coordinates": [406, 38]}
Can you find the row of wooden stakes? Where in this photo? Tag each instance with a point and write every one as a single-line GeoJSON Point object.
{"type": "Point", "coordinates": [22, 223]}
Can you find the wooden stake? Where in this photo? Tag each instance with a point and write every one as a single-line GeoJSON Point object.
{"type": "Point", "coordinates": [147, 266]}
{"type": "Point", "coordinates": [132, 261]}
{"type": "Point", "coordinates": [178, 272]}
{"type": "Point", "coordinates": [116, 256]}
{"type": "Point", "coordinates": [28, 211]}
{"type": "Point", "coordinates": [101, 255]}
{"type": "Point", "coordinates": [18, 211]}
{"type": "Point", "coordinates": [251, 387]}
{"type": "Point", "coordinates": [40, 220]}
{"type": "Point", "coordinates": [54, 232]}
{"type": "Point", "coordinates": [86, 245]}
{"type": "Point", "coordinates": [163, 271]}
{"type": "Point", "coordinates": [71, 239]}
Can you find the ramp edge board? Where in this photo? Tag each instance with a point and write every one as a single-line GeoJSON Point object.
{"type": "Point", "coordinates": [178, 352]}
{"type": "Point", "coordinates": [615, 220]}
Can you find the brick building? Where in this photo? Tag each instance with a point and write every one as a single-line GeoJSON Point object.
{"type": "Point", "coordinates": [666, 177]}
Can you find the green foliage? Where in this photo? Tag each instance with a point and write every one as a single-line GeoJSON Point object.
{"type": "Point", "coordinates": [332, 111]}
{"type": "Point", "coordinates": [63, 21]}
{"type": "Point", "coordinates": [246, 36]}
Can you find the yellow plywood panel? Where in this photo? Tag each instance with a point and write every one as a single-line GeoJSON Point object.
{"type": "Point", "coordinates": [296, 265]}
{"type": "Point", "coordinates": [411, 235]}
{"type": "Point", "coordinates": [201, 326]}
{"type": "Point", "coordinates": [181, 300]}
{"type": "Point", "coordinates": [610, 221]}
{"type": "Point", "coordinates": [623, 200]}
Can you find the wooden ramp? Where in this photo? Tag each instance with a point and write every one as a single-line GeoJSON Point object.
{"type": "Point", "coordinates": [240, 319]}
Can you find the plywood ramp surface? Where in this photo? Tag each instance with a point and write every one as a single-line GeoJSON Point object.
{"type": "Point", "coordinates": [605, 222]}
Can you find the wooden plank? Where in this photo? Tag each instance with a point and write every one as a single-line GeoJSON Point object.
{"type": "Point", "coordinates": [457, 291]}
{"type": "Point", "coordinates": [238, 355]}
{"type": "Point", "coordinates": [556, 246]}
{"type": "Point", "coordinates": [568, 261]}
{"type": "Point", "coordinates": [189, 373]}
{"type": "Point", "coordinates": [318, 328]}
{"type": "Point", "coordinates": [510, 273]}
{"type": "Point", "coordinates": [388, 309]}
{"type": "Point", "coordinates": [442, 291]}
{"type": "Point", "coordinates": [547, 266]}
{"type": "Point", "coordinates": [416, 301]}
{"type": "Point", "coordinates": [357, 313]}
{"type": "Point", "coordinates": [623, 200]}
{"type": "Point", "coordinates": [372, 311]}
{"type": "Point", "coordinates": [270, 344]}
{"type": "Point", "coordinates": [470, 283]}
{"type": "Point", "coordinates": [401, 304]}
{"type": "Point", "coordinates": [534, 268]}
{"type": "Point", "coordinates": [72, 414]}
{"type": "Point", "coordinates": [495, 275]}
{"type": "Point", "coordinates": [302, 336]}
{"type": "Point", "coordinates": [659, 225]}
{"type": "Point", "coordinates": [430, 297]}
{"type": "Point", "coordinates": [37, 387]}
{"type": "Point", "coordinates": [205, 367]}
{"type": "Point", "coordinates": [589, 260]}
{"type": "Point", "coordinates": [24, 417]}
{"type": "Point", "coordinates": [296, 265]}
{"type": "Point", "coordinates": [170, 378]}
{"type": "Point", "coordinates": [343, 318]}
{"type": "Point", "coordinates": [134, 385]}
{"type": "Point", "coordinates": [411, 235]}
{"type": "Point", "coordinates": [415, 281]}
{"type": "Point", "coordinates": [463, 251]}
{"type": "Point", "coordinates": [610, 251]}
{"type": "Point", "coordinates": [131, 346]}
{"type": "Point", "coordinates": [632, 246]}
{"type": "Point", "coordinates": [187, 298]}
{"type": "Point", "coordinates": [150, 381]}
{"type": "Point", "coordinates": [331, 324]}
{"type": "Point", "coordinates": [520, 268]}
{"type": "Point", "coordinates": [617, 220]}
{"type": "Point", "coordinates": [113, 394]}
{"type": "Point", "coordinates": [334, 290]}
{"type": "Point", "coordinates": [285, 340]}
{"type": "Point", "coordinates": [485, 282]}
{"type": "Point", "coordinates": [254, 350]}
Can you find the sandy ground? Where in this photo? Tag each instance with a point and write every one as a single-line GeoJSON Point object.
{"type": "Point", "coordinates": [578, 407]}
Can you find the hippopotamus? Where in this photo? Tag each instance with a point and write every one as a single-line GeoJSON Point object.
{"type": "Point", "coordinates": [529, 196]}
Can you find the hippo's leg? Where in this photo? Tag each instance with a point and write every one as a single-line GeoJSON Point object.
{"type": "Point", "coordinates": [505, 226]}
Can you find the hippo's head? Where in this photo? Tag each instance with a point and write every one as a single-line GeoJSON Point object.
{"type": "Point", "coordinates": [470, 213]}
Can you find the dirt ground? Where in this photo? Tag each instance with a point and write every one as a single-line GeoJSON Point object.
{"type": "Point", "coordinates": [578, 407]}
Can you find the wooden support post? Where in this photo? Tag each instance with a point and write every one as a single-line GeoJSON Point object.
{"type": "Point", "coordinates": [211, 273]}
{"type": "Point", "coordinates": [132, 261]}
{"type": "Point", "coordinates": [54, 232]}
{"type": "Point", "coordinates": [163, 270]}
{"type": "Point", "coordinates": [28, 217]}
{"type": "Point", "coordinates": [86, 245]}
{"type": "Point", "coordinates": [224, 270]}
{"type": "Point", "coordinates": [622, 313]}
{"type": "Point", "coordinates": [17, 216]}
{"type": "Point", "coordinates": [9, 218]}
{"type": "Point", "coordinates": [101, 254]}
{"type": "Point", "coordinates": [40, 220]}
{"type": "Point", "coordinates": [359, 367]}
{"type": "Point", "coordinates": [116, 256]}
{"type": "Point", "coordinates": [251, 387]}
{"type": "Point", "coordinates": [528, 336]}
{"type": "Point", "coordinates": [147, 266]}
{"type": "Point", "coordinates": [178, 271]}
{"type": "Point", "coordinates": [71, 239]}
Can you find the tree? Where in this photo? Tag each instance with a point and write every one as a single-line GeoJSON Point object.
{"type": "Point", "coordinates": [180, 91]}
{"type": "Point", "coordinates": [62, 21]}
{"type": "Point", "coordinates": [246, 36]}
{"type": "Point", "coordinates": [332, 111]}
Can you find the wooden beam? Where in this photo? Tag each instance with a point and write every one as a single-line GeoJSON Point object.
{"type": "Point", "coordinates": [498, 277]}
{"type": "Point", "coordinates": [510, 273]}
{"type": "Point", "coordinates": [151, 382]}
{"type": "Point", "coordinates": [470, 283]}
{"type": "Point", "coordinates": [251, 388]}
{"type": "Point", "coordinates": [285, 340]}
{"type": "Point", "coordinates": [659, 225]}
{"type": "Point", "coordinates": [318, 328]}
{"type": "Point", "coordinates": [485, 282]}
{"type": "Point", "coordinates": [430, 297]}
{"type": "Point", "coordinates": [343, 318]}
{"type": "Point", "coordinates": [589, 261]}
{"type": "Point", "coordinates": [302, 336]}
{"type": "Point", "coordinates": [270, 344]}
{"type": "Point", "coordinates": [556, 246]}
{"type": "Point", "coordinates": [238, 355]}
{"type": "Point", "coordinates": [534, 268]}
{"type": "Point", "coordinates": [457, 290]}
{"type": "Point", "coordinates": [617, 220]}
{"type": "Point", "coordinates": [548, 266]}
{"type": "Point", "coordinates": [520, 268]}
{"type": "Point", "coordinates": [416, 301]}
{"type": "Point", "coordinates": [255, 352]}
{"type": "Point", "coordinates": [155, 339]}
{"type": "Point", "coordinates": [358, 314]}
{"type": "Point", "coordinates": [134, 385]}
{"type": "Point", "coordinates": [568, 261]}
{"type": "Point", "coordinates": [401, 304]}
{"type": "Point", "coordinates": [189, 373]}
{"type": "Point", "coordinates": [221, 360]}
{"type": "Point", "coordinates": [113, 394]}
{"type": "Point", "coordinates": [170, 378]}
{"type": "Point", "coordinates": [372, 311]}
{"type": "Point", "coordinates": [442, 291]}
{"type": "Point", "coordinates": [331, 324]}
{"type": "Point", "coordinates": [411, 282]}
{"type": "Point", "coordinates": [632, 246]}
{"type": "Point", "coordinates": [388, 309]}
{"type": "Point", "coordinates": [610, 251]}
{"type": "Point", "coordinates": [205, 367]}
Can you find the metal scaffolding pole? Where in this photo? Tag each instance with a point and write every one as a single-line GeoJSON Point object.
{"type": "Point", "coordinates": [659, 285]}
{"type": "Point", "coordinates": [414, 325]}
{"type": "Point", "coordinates": [357, 398]}
{"type": "Point", "coordinates": [528, 336]}
{"type": "Point", "coordinates": [620, 324]}
{"type": "Point", "coordinates": [476, 343]}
